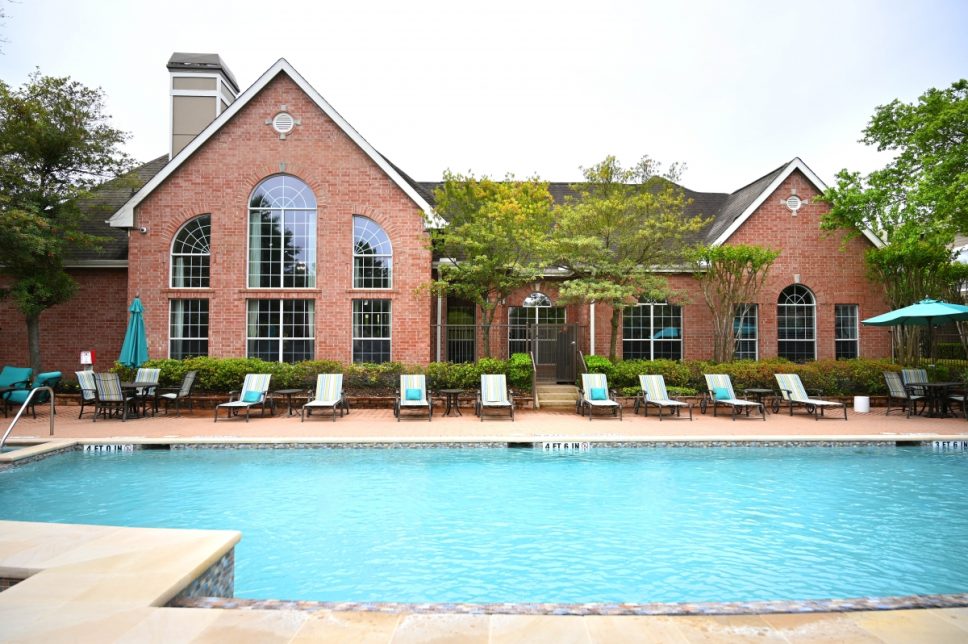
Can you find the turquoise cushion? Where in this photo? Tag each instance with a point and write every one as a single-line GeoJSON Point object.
{"type": "Point", "coordinates": [599, 393]}
{"type": "Point", "coordinates": [721, 393]}
{"type": "Point", "coordinates": [252, 396]}
{"type": "Point", "coordinates": [414, 394]}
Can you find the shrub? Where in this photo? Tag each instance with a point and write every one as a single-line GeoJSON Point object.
{"type": "Point", "coordinates": [519, 371]}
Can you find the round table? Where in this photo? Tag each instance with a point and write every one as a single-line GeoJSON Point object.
{"type": "Point", "coordinates": [759, 394]}
{"type": "Point", "coordinates": [288, 393]}
{"type": "Point", "coordinates": [452, 400]}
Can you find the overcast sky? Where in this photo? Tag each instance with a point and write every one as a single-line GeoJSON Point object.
{"type": "Point", "coordinates": [731, 88]}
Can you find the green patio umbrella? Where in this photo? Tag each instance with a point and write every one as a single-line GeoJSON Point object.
{"type": "Point", "coordinates": [928, 313]}
{"type": "Point", "coordinates": [134, 351]}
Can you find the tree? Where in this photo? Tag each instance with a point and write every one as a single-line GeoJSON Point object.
{"type": "Point", "coordinates": [56, 146]}
{"type": "Point", "coordinates": [494, 240]}
{"type": "Point", "coordinates": [621, 225]}
{"type": "Point", "coordinates": [730, 276]}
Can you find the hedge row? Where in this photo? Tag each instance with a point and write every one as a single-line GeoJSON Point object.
{"type": "Point", "coordinates": [833, 377]}
{"type": "Point", "coordinates": [227, 374]}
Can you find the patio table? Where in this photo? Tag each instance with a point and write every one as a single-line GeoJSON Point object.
{"type": "Point", "coordinates": [936, 395]}
{"type": "Point", "coordinates": [136, 386]}
{"type": "Point", "coordinates": [288, 393]}
{"type": "Point", "coordinates": [452, 400]}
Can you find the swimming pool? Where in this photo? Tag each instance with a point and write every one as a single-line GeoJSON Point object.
{"type": "Point", "coordinates": [523, 525]}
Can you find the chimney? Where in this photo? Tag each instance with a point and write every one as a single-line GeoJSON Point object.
{"type": "Point", "coordinates": [202, 87]}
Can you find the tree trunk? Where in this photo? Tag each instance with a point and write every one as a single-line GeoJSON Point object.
{"type": "Point", "coordinates": [613, 341]}
{"type": "Point", "coordinates": [487, 319]}
{"type": "Point", "coordinates": [33, 342]}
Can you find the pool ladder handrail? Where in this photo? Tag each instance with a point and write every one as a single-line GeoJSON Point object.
{"type": "Point", "coordinates": [3, 441]}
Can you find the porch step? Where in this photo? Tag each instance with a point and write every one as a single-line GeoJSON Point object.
{"type": "Point", "coordinates": [553, 395]}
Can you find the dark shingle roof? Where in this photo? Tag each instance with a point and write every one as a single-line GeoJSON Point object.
{"type": "Point", "coordinates": [736, 203]}
{"type": "Point", "coordinates": [108, 198]}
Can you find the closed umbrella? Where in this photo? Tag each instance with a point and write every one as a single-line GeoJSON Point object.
{"type": "Point", "coordinates": [927, 313]}
{"type": "Point", "coordinates": [134, 351]}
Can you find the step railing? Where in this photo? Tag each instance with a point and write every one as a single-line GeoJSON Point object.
{"type": "Point", "coordinates": [33, 392]}
{"type": "Point", "coordinates": [534, 383]}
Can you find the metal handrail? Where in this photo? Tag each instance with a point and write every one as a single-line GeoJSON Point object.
{"type": "Point", "coordinates": [534, 382]}
{"type": "Point", "coordinates": [581, 358]}
{"type": "Point", "coordinates": [3, 441]}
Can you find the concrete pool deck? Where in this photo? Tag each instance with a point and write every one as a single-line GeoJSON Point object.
{"type": "Point", "coordinates": [97, 583]}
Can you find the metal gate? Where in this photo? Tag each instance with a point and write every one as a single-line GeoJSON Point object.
{"type": "Point", "coordinates": [567, 350]}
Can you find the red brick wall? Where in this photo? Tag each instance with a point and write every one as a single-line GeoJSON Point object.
{"type": "Point", "coordinates": [219, 178]}
{"type": "Point", "coordinates": [96, 318]}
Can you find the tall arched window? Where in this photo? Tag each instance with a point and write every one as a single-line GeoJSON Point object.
{"type": "Point", "coordinates": [796, 323]}
{"type": "Point", "coordinates": [282, 234]}
{"type": "Point", "coordinates": [372, 255]}
{"type": "Point", "coordinates": [190, 253]}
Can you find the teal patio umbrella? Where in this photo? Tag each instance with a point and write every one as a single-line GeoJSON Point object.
{"type": "Point", "coordinates": [134, 351]}
{"type": "Point", "coordinates": [927, 313]}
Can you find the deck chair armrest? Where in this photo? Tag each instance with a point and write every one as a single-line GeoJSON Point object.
{"type": "Point", "coordinates": [613, 394]}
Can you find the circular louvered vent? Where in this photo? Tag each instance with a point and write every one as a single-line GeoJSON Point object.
{"type": "Point", "coordinates": [283, 123]}
{"type": "Point", "coordinates": [793, 203]}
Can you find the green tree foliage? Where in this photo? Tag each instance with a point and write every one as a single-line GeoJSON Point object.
{"type": "Point", "coordinates": [620, 226]}
{"type": "Point", "coordinates": [730, 276]}
{"type": "Point", "coordinates": [495, 239]}
{"type": "Point", "coordinates": [56, 146]}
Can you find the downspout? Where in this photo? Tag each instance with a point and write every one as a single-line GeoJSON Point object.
{"type": "Point", "coordinates": [440, 303]}
{"type": "Point", "coordinates": [591, 327]}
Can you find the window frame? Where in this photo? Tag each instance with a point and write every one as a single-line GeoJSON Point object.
{"type": "Point", "coordinates": [367, 222]}
{"type": "Point", "coordinates": [854, 317]}
{"type": "Point", "coordinates": [310, 237]}
{"type": "Point", "coordinates": [741, 313]}
{"type": "Point", "coordinates": [184, 228]}
{"type": "Point", "coordinates": [675, 312]}
{"type": "Point", "coordinates": [354, 338]}
{"type": "Point", "coordinates": [781, 316]}
{"type": "Point", "coordinates": [280, 323]}
{"type": "Point", "coordinates": [182, 339]}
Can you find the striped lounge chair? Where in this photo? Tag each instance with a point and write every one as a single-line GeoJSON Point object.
{"type": "Point", "coordinates": [494, 395]}
{"type": "Point", "coordinates": [793, 393]}
{"type": "Point", "coordinates": [654, 393]}
{"type": "Point", "coordinates": [413, 396]}
{"type": "Point", "coordinates": [255, 391]}
{"type": "Point", "coordinates": [328, 395]}
{"type": "Point", "coordinates": [721, 393]}
{"type": "Point", "coordinates": [595, 394]}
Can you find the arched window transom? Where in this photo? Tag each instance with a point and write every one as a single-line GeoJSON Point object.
{"type": "Point", "coordinates": [796, 324]}
{"type": "Point", "coordinates": [190, 254]}
{"type": "Point", "coordinates": [372, 255]}
{"type": "Point", "coordinates": [282, 234]}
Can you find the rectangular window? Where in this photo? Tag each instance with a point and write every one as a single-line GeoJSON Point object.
{"type": "Point", "coordinates": [746, 330]}
{"type": "Point", "coordinates": [188, 329]}
{"type": "Point", "coordinates": [371, 331]}
{"type": "Point", "coordinates": [282, 248]}
{"type": "Point", "coordinates": [652, 331]}
{"type": "Point", "coordinates": [847, 343]}
{"type": "Point", "coordinates": [281, 330]}
{"type": "Point", "coordinates": [461, 329]}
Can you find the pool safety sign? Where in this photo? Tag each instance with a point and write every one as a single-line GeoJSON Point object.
{"type": "Point", "coordinates": [565, 446]}
{"type": "Point", "coordinates": [957, 446]}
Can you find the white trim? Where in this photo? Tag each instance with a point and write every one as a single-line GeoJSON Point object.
{"type": "Point", "coordinates": [124, 217]}
{"type": "Point", "coordinates": [796, 164]}
{"type": "Point", "coordinates": [353, 337]}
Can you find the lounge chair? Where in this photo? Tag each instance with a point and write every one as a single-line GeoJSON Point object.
{"type": "Point", "coordinates": [85, 380]}
{"type": "Point", "coordinates": [494, 395]}
{"type": "Point", "coordinates": [18, 397]}
{"type": "Point", "coordinates": [111, 399]}
{"type": "Point", "coordinates": [328, 395]}
{"type": "Point", "coordinates": [897, 391]}
{"type": "Point", "coordinates": [413, 396]}
{"type": "Point", "coordinates": [177, 394]}
{"type": "Point", "coordinates": [654, 393]}
{"type": "Point", "coordinates": [15, 378]}
{"type": "Point", "coordinates": [793, 393]}
{"type": "Point", "coordinates": [595, 394]}
{"type": "Point", "coordinates": [721, 393]}
{"type": "Point", "coordinates": [255, 390]}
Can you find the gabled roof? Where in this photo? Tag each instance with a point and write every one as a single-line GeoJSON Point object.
{"type": "Point", "coordinates": [124, 217]}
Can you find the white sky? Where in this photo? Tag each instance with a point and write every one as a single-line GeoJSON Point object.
{"type": "Point", "coordinates": [733, 89]}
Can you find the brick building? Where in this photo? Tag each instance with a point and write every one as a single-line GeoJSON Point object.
{"type": "Point", "coordinates": [272, 229]}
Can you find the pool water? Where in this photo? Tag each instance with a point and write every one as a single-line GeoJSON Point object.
{"type": "Point", "coordinates": [522, 525]}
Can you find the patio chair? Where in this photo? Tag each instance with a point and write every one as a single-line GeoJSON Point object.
{"type": "Point", "coordinates": [413, 396]}
{"type": "Point", "coordinates": [177, 394]}
{"type": "Point", "coordinates": [720, 392]}
{"type": "Point", "coordinates": [85, 380]}
{"type": "Point", "coordinates": [897, 391]}
{"type": "Point", "coordinates": [595, 394]}
{"type": "Point", "coordinates": [18, 397]}
{"type": "Point", "coordinates": [654, 393]}
{"type": "Point", "coordinates": [793, 393]}
{"type": "Point", "coordinates": [494, 395]}
{"type": "Point", "coordinates": [111, 399]}
{"type": "Point", "coordinates": [914, 377]}
{"type": "Point", "coordinates": [328, 395]}
{"type": "Point", "coordinates": [148, 393]}
{"type": "Point", "coordinates": [255, 391]}
{"type": "Point", "coordinates": [13, 378]}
